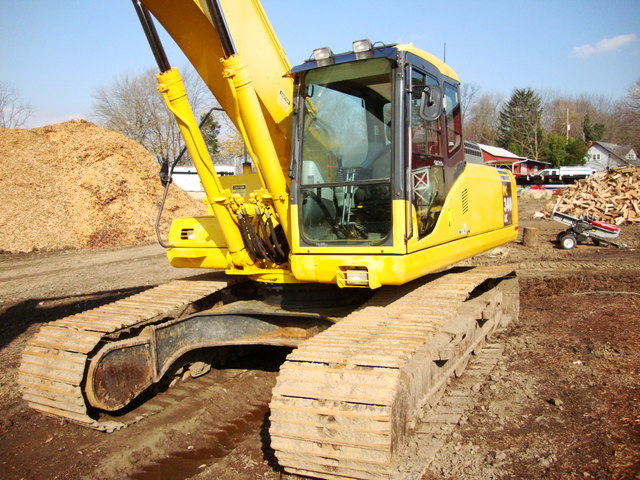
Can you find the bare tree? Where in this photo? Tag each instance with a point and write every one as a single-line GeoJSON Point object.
{"type": "Point", "coordinates": [468, 92]}
{"type": "Point", "coordinates": [561, 109]}
{"type": "Point", "coordinates": [629, 115]}
{"type": "Point", "coordinates": [132, 106]}
{"type": "Point", "coordinates": [481, 122]}
{"type": "Point", "coordinates": [632, 100]}
{"type": "Point", "coordinates": [14, 111]}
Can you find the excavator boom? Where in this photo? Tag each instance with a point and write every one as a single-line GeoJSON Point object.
{"type": "Point", "coordinates": [190, 23]}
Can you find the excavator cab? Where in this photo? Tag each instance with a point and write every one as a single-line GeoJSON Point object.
{"type": "Point", "coordinates": [378, 177]}
{"type": "Point", "coordinates": [364, 120]}
{"type": "Point", "coordinates": [344, 160]}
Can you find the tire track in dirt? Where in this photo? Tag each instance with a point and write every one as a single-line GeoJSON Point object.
{"type": "Point", "coordinates": [210, 424]}
{"type": "Point", "coordinates": [560, 267]}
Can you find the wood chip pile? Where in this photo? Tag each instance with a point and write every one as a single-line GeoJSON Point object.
{"type": "Point", "coordinates": [76, 185]}
{"type": "Point", "coordinates": [613, 197]}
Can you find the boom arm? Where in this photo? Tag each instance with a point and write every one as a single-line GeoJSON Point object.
{"type": "Point", "coordinates": [202, 31]}
{"type": "Point", "coordinates": [190, 26]}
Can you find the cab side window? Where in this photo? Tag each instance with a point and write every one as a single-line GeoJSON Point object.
{"type": "Point", "coordinates": [454, 118]}
{"type": "Point", "coordinates": [426, 137]}
{"type": "Point", "coordinates": [426, 157]}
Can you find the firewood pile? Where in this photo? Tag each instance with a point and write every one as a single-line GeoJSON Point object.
{"type": "Point", "coordinates": [76, 185]}
{"type": "Point", "coordinates": [612, 196]}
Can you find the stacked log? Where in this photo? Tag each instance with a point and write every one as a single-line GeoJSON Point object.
{"type": "Point", "coordinates": [612, 196]}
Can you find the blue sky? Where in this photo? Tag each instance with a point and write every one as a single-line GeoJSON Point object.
{"type": "Point", "coordinates": [56, 53]}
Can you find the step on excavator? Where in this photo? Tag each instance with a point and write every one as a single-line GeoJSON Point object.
{"type": "Point", "coordinates": [342, 244]}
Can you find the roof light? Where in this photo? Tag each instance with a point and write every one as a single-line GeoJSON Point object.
{"type": "Point", "coordinates": [323, 56]}
{"type": "Point", "coordinates": [363, 49]}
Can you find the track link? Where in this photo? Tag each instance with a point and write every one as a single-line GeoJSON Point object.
{"type": "Point", "coordinates": [55, 360]}
{"type": "Point", "coordinates": [346, 400]}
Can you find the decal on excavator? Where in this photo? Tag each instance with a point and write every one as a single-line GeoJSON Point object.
{"type": "Point", "coordinates": [507, 203]}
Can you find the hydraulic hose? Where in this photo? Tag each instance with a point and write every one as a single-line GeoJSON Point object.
{"type": "Point", "coordinates": [166, 179]}
{"type": "Point", "coordinates": [265, 236]}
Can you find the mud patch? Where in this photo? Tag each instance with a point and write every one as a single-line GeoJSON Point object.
{"type": "Point", "coordinates": [564, 402]}
{"type": "Point", "coordinates": [199, 422]}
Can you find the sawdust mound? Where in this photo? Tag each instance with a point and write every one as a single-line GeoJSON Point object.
{"type": "Point", "coordinates": [76, 185]}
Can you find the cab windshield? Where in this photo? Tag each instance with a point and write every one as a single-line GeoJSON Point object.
{"type": "Point", "coordinates": [346, 153]}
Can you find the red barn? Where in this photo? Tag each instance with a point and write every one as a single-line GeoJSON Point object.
{"type": "Point", "coordinates": [521, 167]}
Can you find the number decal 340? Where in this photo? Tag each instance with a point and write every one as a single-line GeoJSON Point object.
{"type": "Point", "coordinates": [507, 203]}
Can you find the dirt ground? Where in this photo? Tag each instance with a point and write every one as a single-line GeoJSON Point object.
{"type": "Point", "coordinates": [563, 401]}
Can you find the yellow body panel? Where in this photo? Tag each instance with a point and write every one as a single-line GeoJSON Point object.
{"type": "Point", "coordinates": [197, 242]}
{"type": "Point", "coordinates": [242, 184]}
{"type": "Point", "coordinates": [472, 221]}
{"type": "Point", "coordinates": [469, 224]}
{"type": "Point", "coordinates": [432, 59]}
{"type": "Point", "coordinates": [397, 269]}
{"type": "Point", "coordinates": [473, 206]}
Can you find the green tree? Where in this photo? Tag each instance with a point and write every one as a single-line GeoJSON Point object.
{"type": "Point", "coordinates": [576, 152]}
{"type": "Point", "coordinates": [562, 152]}
{"type": "Point", "coordinates": [592, 132]}
{"type": "Point", "coordinates": [555, 150]}
{"type": "Point", "coordinates": [519, 124]}
{"type": "Point", "coordinates": [210, 130]}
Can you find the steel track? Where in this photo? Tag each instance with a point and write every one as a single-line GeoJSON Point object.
{"type": "Point", "coordinates": [347, 398]}
{"type": "Point", "coordinates": [55, 360]}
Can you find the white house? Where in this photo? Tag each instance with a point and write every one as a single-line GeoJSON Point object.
{"type": "Point", "coordinates": [602, 156]}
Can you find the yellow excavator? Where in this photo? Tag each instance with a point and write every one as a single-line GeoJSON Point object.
{"type": "Point", "coordinates": [342, 244]}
